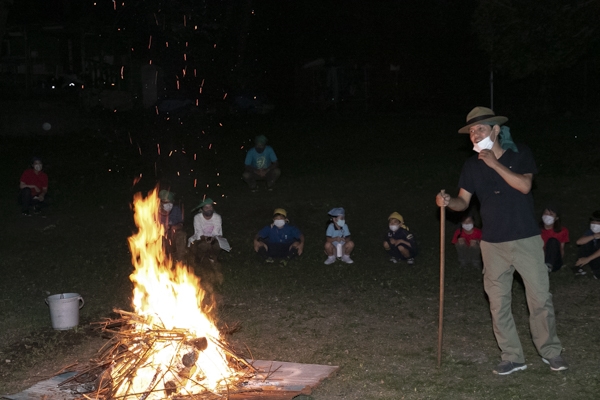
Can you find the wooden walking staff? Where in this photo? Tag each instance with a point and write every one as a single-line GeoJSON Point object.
{"type": "Point", "coordinates": [442, 270]}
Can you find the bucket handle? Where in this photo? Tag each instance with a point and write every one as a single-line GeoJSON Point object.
{"type": "Point", "coordinates": [79, 298]}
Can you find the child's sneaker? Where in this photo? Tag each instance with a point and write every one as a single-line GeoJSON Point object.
{"type": "Point", "coordinates": [410, 261]}
{"type": "Point", "coordinates": [270, 260]}
{"type": "Point", "coordinates": [346, 258]}
{"type": "Point", "coordinates": [330, 260]}
{"type": "Point", "coordinates": [579, 271]}
{"type": "Point", "coordinates": [393, 259]}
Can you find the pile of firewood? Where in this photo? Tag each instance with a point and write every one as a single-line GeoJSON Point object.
{"type": "Point", "coordinates": [132, 346]}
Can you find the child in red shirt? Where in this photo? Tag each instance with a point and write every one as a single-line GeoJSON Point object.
{"type": "Point", "coordinates": [554, 236]}
{"type": "Point", "coordinates": [33, 187]}
{"type": "Point", "coordinates": [466, 240]}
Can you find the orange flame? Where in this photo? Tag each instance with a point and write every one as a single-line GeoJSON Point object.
{"type": "Point", "coordinates": [169, 297]}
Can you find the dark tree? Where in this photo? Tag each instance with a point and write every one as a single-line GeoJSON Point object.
{"type": "Point", "coordinates": [525, 37]}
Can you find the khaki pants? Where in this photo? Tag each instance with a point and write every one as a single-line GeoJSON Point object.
{"type": "Point", "coordinates": [500, 261]}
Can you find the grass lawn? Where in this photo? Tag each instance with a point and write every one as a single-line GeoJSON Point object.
{"type": "Point", "coordinates": [378, 321]}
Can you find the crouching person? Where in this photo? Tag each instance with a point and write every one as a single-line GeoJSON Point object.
{"type": "Point", "coordinates": [33, 187]}
{"type": "Point", "coordinates": [207, 227]}
{"type": "Point", "coordinates": [171, 218]}
{"type": "Point", "coordinates": [466, 239]}
{"type": "Point", "coordinates": [399, 242]}
{"type": "Point", "coordinates": [279, 240]}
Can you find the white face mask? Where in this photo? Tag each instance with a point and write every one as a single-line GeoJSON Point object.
{"type": "Point", "coordinates": [548, 219]}
{"type": "Point", "coordinates": [467, 227]}
{"type": "Point", "coordinates": [279, 223]}
{"type": "Point", "coordinates": [485, 144]}
{"type": "Point", "coordinates": [37, 167]}
{"type": "Point", "coordinates": [168, 207]}
{"type": "Point", "coordinates": [595, 228]}
{"type": "Point", "coordinates": [340, 223]}
{"type": "Point", "coordinates": [394, 228]}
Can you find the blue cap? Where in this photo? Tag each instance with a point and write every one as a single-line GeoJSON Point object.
{"type": "Point", "coordinates": [336, 212]}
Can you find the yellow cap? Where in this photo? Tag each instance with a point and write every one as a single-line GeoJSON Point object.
{"type": "Point", "coordinates": [280, 211]}
{"type": "Point", "coordinates": [397, 216]}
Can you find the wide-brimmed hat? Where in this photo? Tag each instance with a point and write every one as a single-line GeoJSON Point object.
{"type": "Point", "coordinates": [165, 195]}
{"type": "Point", "coordinates": [397, 216]}
{"type": "Point", "coordinates": [482, 115]}
{"type": "Point", "coordinates": [203, 203]}
{"type": "Point", "coordinates": [336, 212]}
{"type": "Point", "coordinates": [280, 211]}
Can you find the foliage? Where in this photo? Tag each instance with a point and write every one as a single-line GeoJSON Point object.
{"type": "Point", "coordinates": [526, 37]}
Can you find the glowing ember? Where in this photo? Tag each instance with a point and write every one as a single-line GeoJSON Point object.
{"type": "Point", "coordinates": [180, 349]}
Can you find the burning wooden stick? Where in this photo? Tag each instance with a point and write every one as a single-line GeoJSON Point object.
{"type": "Point", "coordinates": [133, 345]}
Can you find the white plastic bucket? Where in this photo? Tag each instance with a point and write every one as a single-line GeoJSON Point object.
{"type": "Point", "coordinates": [64, 310]}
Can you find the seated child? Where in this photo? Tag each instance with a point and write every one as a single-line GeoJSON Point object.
{"type": "Point", "coordinates": [171, 218]}
{"type": "Point", "coordinates": [208, 226]}
{"type": "Point", "coordinates": [338, 240]}
{"type": "Point", "coordinates": [554, 236]}
{"type": "Point", "coordinates": [589, 248]}
{"type": "Point", "coordinates": [466, 239]}
{"type": "Point", "coordinates": [399, 242]}
{"type": "Point", "coordinates": [279, 240]}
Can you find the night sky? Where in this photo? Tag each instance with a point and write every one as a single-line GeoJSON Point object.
{"type": "Point", "coordinates": [263, 44]}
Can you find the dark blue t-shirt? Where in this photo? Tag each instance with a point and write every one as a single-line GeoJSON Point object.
{"type": "Point", "coordinates": [506, 213]}
{"type": "Point", "coordinates": [287, 234]}
{"type": "Point", "coordinates": [403, 234]}
{"type": "Point", "coordinates": [173, 218]}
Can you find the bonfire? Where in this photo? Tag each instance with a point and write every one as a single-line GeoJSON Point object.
{"type": "Point", "coordinates": [169, 346]}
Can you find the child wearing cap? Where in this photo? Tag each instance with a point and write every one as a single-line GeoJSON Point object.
{"type": "Point", "coordinates": [207, 227]}
{"type": "Point", "coordinates": [338, 242]}
{"type": "Point", "coordinates": [399, 242]}
{"type": "Point", "coordinates": [261, 164]}
{"type": "Point", "coordinates": [589, 247]}
{"type": "Point", "coordinates": [279, 240]}
{"type": "Point", "coordinates": [171, 218]}
{"type": "Point", "coordinates": [466, 240]}
{"type": "Point", "coordinates": [554, 236]}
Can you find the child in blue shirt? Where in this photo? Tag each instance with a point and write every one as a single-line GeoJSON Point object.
{"type": "Point", "coordinates": [338, 238]}
{"type": "Point", "coordinates": [399, 242]}
{"type": "Point", "coordinates": [261, 164]}
{"type": "Point", "coordinates": [280, 240]}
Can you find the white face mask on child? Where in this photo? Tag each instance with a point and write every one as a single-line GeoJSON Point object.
{"type": "Point", "coordinates": [340, 223]}
{"type": "Point", "coordinates": [394, 228]}
{"type": "Point", "coordinates": [548, 219]}
{"type": "Point", "coordinates": [595, 228]}
{"type": "Point", "coordinates": [279, 223]}
{"type": "Point", "coordinates": [168, 207]}
{"type": "Point", "coordinates": [467, 227]}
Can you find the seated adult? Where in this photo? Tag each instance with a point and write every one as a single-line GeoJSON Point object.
{"type": "Point", "coordinates": [33, 188]}
{"type": "Point", "coordinates": [171, 218]}
{"type": "Point", "coordinates": [261, 164]}
{"type": "Point", "coordinates": [279, 240]}
{"type": "Point", "coordinates": [207, 227]}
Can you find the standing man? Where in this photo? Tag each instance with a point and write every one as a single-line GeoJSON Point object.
{"type": "Point", "coordinates": [33, 187]}
{"type": "Point", "coordinates": [261, 164]}
{"type": "Point", "coordinates": [501, 176]}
